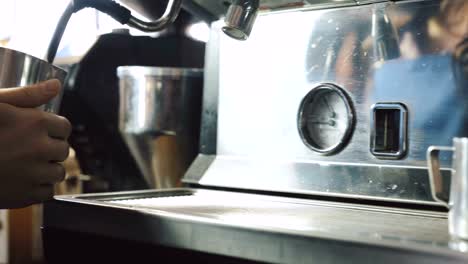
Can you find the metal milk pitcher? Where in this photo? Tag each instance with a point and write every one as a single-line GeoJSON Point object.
{"type": "Point", "coordinates": [20, 69]}
{"type": "Point", "coordinates": [457, 200]}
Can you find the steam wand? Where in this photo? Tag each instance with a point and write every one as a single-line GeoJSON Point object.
{"type": "Point", "coordinates": [116, 11]}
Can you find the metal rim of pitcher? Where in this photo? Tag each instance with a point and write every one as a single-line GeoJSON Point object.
{"type": "Point", "coordinates": [5, 50]}
{"type": "Point", "coordinates": [123, 71]}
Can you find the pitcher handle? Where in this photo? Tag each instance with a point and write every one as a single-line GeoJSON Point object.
{"type": "Point", "coordinates": [435, 176]}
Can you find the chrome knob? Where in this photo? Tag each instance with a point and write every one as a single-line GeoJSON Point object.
{"type": "Point", "coordinates": [240, 18]}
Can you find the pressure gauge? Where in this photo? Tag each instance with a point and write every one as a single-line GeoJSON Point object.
{"type": "Point", "coordinates": [326, 119]}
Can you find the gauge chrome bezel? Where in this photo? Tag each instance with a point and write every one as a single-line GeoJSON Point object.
{"type": "Point", "coordinates": [302, 121]}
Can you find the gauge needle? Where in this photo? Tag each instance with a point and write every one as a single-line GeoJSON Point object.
{"type": "Point", "coordinates": [332, 111]}
{"type": "Point", "coordinates": [330, 123]}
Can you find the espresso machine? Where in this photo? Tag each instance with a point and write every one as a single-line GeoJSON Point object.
{"type": "Point", "coordinates": [316, 118]}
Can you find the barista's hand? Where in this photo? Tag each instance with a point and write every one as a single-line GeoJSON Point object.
{"type": "Point", "coordinates": [32, 142]}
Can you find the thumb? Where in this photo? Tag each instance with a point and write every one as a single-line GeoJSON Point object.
{"type": "Point", "coordinates": [31, 96]}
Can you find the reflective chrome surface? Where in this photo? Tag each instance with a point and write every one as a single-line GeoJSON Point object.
{"type": "Point", "coordinates": [457, 201]}
{"type": "Point", "coordinates": [159, 119]}
{"type": "Point", "coordinates": [240, 18]}
{"type": "Point", "coordinates": [20, 69]}
{"type": "Point", "coordinates": [390, 52]}
{"type": "Point", "coordinates": [220, 7]}
{"type": "Point", "coordinates": [260, 227]}
{"type": "Point", "coordinates": [169, 16]}
{"type": "Point", "coordinates": [241, 14]}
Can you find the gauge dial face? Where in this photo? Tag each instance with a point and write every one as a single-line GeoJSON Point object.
{"type": "Point", "coordinates": [326, 119]}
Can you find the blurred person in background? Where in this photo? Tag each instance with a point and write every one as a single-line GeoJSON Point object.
{"type": "Point", "coordinates": [444, 33]}
{"type": "Point", "coordinates": [433, 55]}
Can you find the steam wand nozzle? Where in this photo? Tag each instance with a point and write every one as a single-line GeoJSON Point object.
{"type": "Point", "coordinates": [240, 18]}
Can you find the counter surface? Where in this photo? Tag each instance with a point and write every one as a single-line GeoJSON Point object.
{"type": "Point", "coordinates": [260, 227]}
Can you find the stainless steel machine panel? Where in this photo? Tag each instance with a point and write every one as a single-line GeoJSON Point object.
{"type": "Point", "coordinates": [397, 54]}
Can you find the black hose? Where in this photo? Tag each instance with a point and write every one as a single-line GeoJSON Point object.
{"type": "Point", "coordinates": [109, 7]}
{"type": "Point", "coordinates": [59, 30]}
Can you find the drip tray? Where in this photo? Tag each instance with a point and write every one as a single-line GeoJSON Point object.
{"type": "Point", "coordinates": [307, 217]}
{"type": "Point", "coordinates": [420, 231]}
